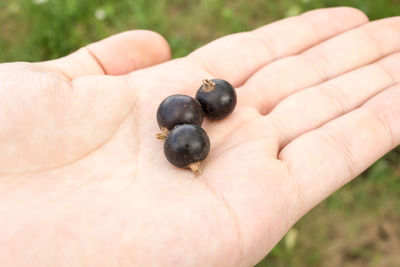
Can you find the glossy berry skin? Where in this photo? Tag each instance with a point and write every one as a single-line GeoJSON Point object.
{"type": "Point", "coordinates": [217, 97]}
{"type": "Point", "coordinates": [186, 144]}
{"type": "Point", "coordinates": [179, 109]}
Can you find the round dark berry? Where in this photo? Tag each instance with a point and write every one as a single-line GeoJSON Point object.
{"type": "Point", "coordinates": [179, 109]}
{"type": "Point", "coordinates": [217, 97]}
{"type": "Point", "coordinates": [186, 146]}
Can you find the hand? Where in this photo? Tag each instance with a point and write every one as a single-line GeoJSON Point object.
{"type": "Point", "coordinates": [84, 182]}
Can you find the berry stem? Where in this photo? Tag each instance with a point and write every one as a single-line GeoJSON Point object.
{"type": "Point", "coordinates": [195, 167]}
{"type": "Point", "coordinates": [163, 135]}
{"type": "Point", "coordinates": [208, 85]}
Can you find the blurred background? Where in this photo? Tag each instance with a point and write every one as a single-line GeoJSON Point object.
{"type": "Point", "coordinates": [357, 226]}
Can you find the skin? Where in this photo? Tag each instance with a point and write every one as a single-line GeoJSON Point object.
{"type": "Point", "coordinates": [84, 182]}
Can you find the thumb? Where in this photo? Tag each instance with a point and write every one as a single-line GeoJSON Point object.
{"type": "Point", "coordinates": [115, 55]}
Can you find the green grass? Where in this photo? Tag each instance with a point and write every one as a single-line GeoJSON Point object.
{"type": "Point", "coordinates": [357, 226]}
{"type": "Point", "coordinates": [54, 28]}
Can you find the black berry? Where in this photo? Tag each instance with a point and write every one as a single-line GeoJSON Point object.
{"type": "Point", "coordinates": [178, 109]}
{"type": "Point", "coordinates": [217, 97]}
{"type": "Point", "coordinates": [186, 146]}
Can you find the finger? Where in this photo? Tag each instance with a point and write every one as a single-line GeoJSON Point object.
{"type": "Point", "coordinates": [116, 55]}
{"type": "Point", "coordinates": [238, 56]}
{"type": "Point", "coordinates": [323, 160]}
{"type": "Point", "coordinates": [329, 59]}
{"type": "Point", "coordinates": [312, 107]}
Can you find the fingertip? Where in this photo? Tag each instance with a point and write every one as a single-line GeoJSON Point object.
{"type": "Point", "coordinates": [159, 43]}
{"type": "Point", "coordinates": [355, 13]}
{"type": "Point", "coordinates": [341, 14]}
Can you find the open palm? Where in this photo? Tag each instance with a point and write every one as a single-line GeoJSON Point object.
{"type": "Point", "coordinates": [84, 182]}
